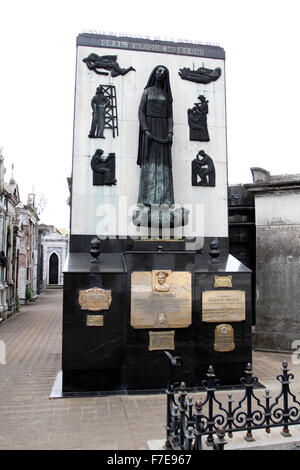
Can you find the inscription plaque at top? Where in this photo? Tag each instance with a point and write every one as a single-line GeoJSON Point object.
{"type": "Point", "coordinates": [223, 281]}
{"type": "Point", "coordinates": [161, 299]}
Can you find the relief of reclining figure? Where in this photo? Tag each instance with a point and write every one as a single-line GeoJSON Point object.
{"type": "Point", "coordinates": [107, 62]}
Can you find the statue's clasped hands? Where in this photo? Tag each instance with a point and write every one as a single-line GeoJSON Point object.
{"type": "Point", "coordinates": [150, 137]}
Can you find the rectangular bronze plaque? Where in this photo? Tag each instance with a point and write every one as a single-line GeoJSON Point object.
{"type": "Point", "coordinates": [223, 281]}
{"type": "Point", "coordinates": [94, 320]}
{"type": "Point", "coordinates": [160, 340]}
{"type": "Point", "coordinates": [223, 305]}
{"type": "Point", "coordinates": [161, 299]}
{"type": "Point", "coordinates": [94, 299]}
{"type": "Point", "coordinates": [224, 338]}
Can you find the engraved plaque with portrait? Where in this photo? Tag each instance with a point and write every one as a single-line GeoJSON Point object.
{"type": "Point", "coordinates": [223, 305]}
{"type": "Point", "coordinates": [161, 299]}
{"type": "Point", "coordinates": [224, 338]}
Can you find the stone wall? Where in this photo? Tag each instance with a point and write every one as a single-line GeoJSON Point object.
{"type": "Point", "coordinates": [27, 255]}
{"type": "Point", "coordinates": [277, 203]}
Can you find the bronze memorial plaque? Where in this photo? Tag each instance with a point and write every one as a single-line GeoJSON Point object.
{"type": "Point", "coordinates": [161, 299]}
{"type": "Point", "coordinates": [94, 299]}
{"type": "Point", "coordinates": [224, 338]}
{"type": "Point", "coordinates": [94, 320]}
{"type": "Point", "coordinates": [161, 340]}
{"type": "Point", "coordinates": [223, 281]}
{"type": "Point", "coordinates": [223, 305]}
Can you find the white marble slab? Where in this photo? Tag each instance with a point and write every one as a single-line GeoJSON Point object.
{"type": "Point", "coordinates": [90, 212]}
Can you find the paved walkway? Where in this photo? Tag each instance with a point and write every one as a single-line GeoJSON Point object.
{"type": "Point", "coordinates": [30, 420]}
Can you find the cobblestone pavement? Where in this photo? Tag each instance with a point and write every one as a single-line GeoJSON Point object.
{"type": "Point", "coordinates": [30, 420]}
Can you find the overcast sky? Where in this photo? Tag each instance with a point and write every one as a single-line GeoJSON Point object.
{"type": "Point", "coordinates": [37, 75]}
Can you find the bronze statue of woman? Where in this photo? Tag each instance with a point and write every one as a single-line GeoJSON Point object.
{"type": "Point", "coordinates": [155, 141]}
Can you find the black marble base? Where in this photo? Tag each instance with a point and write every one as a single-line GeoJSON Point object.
{"type": "Point", "coordinates": [115, 358]}
{"type": "Point", "coordinates": [57, 390]}
{"type": "Point", "coordinates": [81, 244]}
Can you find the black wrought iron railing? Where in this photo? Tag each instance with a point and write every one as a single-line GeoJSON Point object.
{"type": "Point", "coordinates": [188, 421]}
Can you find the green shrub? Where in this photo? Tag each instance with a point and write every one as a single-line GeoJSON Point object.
{"type": "Point", "coordinates": [29, 293]}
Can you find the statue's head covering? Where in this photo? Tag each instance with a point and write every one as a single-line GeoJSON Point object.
{"type": "Point", "coordinates": [167, 87]}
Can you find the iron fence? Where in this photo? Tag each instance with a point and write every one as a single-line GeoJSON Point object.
{"type": "Point", "coordinates": [188, 420]}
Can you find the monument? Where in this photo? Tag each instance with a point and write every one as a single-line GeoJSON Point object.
{"type": "Point", "coordinates": [148, 269]}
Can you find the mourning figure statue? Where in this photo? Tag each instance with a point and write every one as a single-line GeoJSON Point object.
{"type": "Point", "coordinates": [99, 103]}
{"type": "Point", "coordinates": [204, 169]}
{"type": "Point", "coordinates": [107, 62]}
{"type": "Point", "coordinates": [201, 75]}
{"type": "Point", "coordinates": [103, 168]}
{"type": "Point", "coordinates": [155, 141]}
{"type": "Point", "coordinates": [197, 119]}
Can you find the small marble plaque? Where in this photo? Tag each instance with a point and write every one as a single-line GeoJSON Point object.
{"type": "Point", "coordinates": [161, 340]}
{"type": "Point", "coordinates": [224, 338]}
{"type": "Point", "coordinates": [223, 281]}
{"type": "Point", "coordinates": [218, 305]}
{"type": "Point", "coordinates": [94, 299]}
{"type": "Point", "coordinates": [161, 299]}
{"type": "Point", "coordinates": [94, 320]}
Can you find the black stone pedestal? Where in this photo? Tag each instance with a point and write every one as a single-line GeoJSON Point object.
{"type": "Point", "coordinates": [92, 357]}
{"type": "Point", "coordinates": [115, 357]}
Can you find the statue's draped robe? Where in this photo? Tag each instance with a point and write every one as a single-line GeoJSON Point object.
{"type": "Point", "coordinates": [154, 157]}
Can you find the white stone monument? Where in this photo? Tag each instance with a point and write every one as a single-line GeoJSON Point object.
{"type": "Point", "coordinates": [107, 210]}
